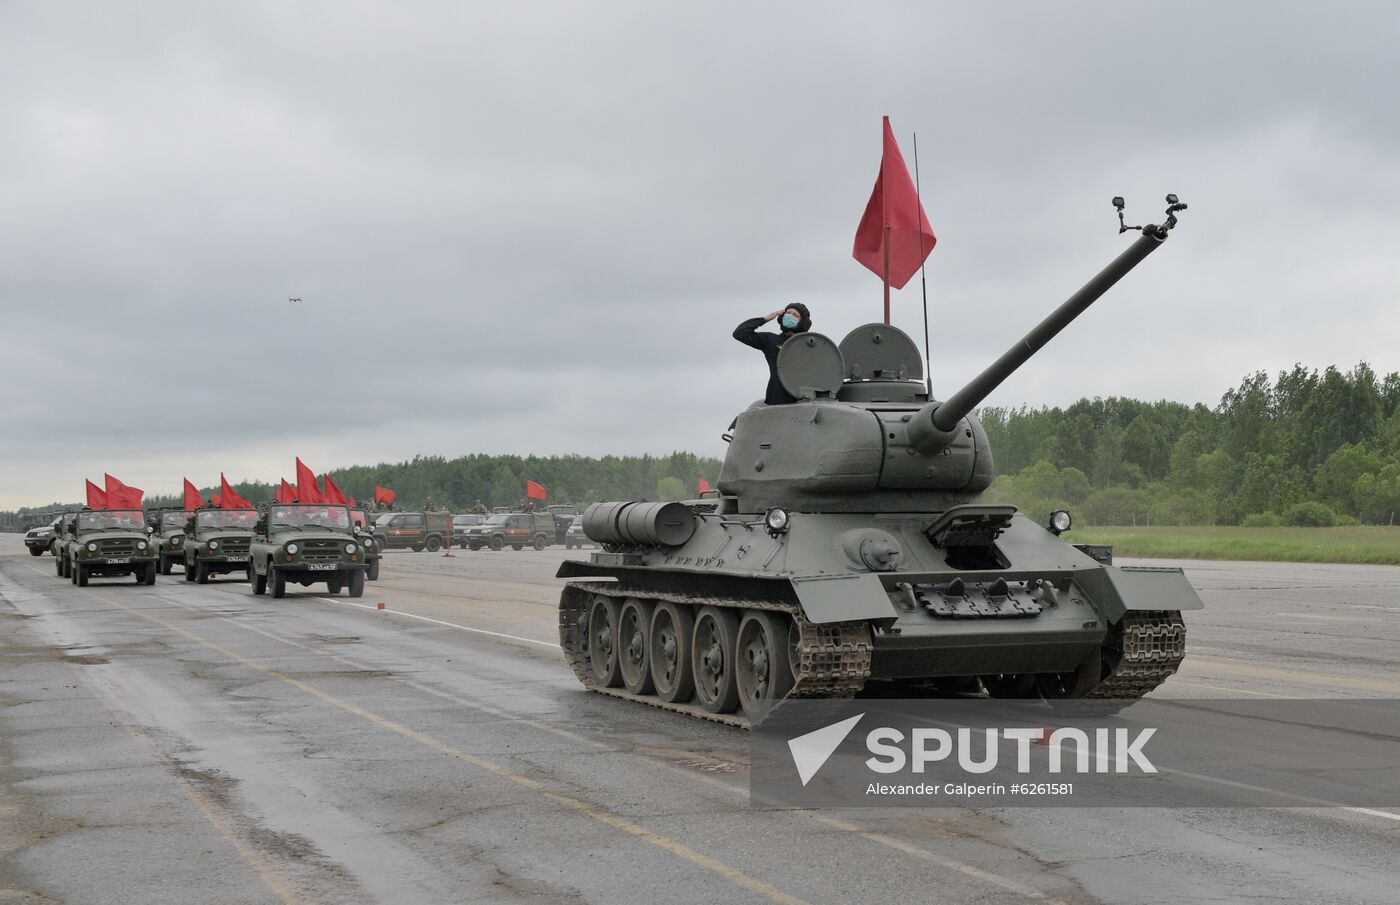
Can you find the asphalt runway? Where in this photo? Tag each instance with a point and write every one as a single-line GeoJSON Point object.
{"type": "Point", "coordinates": [191, 743]}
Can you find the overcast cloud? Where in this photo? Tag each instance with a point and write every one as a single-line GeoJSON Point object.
{"type": "Point", "coordinates": [531, 227]}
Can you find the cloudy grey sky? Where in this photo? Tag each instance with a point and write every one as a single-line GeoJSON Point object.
{"type": "Point", "coordinates": [531, 227]}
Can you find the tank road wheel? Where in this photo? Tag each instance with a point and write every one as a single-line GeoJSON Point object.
{"type": "Point", "coordinates": [712, 649]}
{"type": "Point", "coordinates": [539, 542]}
{"type": "Point", "coordinates": [259, 582]}
{"type": "Point", "coordinates": [668, 657]}
{"type": "Point", "coordinates": [1060, 689]}
{"type": "Point", "coordinates": [357, 583]}
{"type": "Point", "coordinates": [633, 644]}
{"type": "Point", "coordinates": [498, 542]}
{"type": "Point", "coordinates": [80, 575]}
{"type": "Point", "coordinates": [602, 642]}
{"type": "Point", "coordinates": [278, 582]}
{"type": "Point", "coordinates": [434, 544]}
{"type": "Point", "coordinates": [201, 572]}
{"type": "Point", "coordinates": [761, 667]}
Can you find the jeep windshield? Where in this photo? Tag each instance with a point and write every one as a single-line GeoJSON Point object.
{"type": "Point", "coordinates": [174, 521]}
{"type": "Point", "coordinates": [309, 516]}
{"type": "Point", "coordinates": [226, 518]}
{"type": "Point", "coordinates": [112, 520]}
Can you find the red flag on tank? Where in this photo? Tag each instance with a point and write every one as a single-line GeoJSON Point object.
{"type": "Point", "coordinates": [308, 491]}
{"type": "Point", "coordinates": [96, 496]}
{"type": "Point", "coordinates": [229, 498]}
{"type": "Point", "coordinates": [333, 493]}
{"type": "Point", "coordinates": [702, 485]}
{"type": "Point", "coordinates": [535, 491]}
{"type": "Point", "coordinates": [285, 493]}
{"type": "Point", "coordinates": [193, 498]}
{"type": "Point", "coordinates": [122, 496]}
{"type": "Point", "coordinates": [383, 495]}
{"type": "Point", "coordinates": [895, 204]}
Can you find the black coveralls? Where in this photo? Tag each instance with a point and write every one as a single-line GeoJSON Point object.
{"type": "Point", "coordinates": [769, 344]}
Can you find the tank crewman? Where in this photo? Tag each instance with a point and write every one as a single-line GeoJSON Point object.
{"type": "Point", "coordinates": [793, 319]}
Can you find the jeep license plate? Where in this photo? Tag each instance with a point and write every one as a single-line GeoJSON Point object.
{"type": "Point", "coordinates": [118, 562]}
{"type": "Point", "coordinates": [321, 566]}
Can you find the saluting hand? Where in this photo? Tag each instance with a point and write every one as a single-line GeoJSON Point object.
{"type": "Point", "coordinates": [775, 314]}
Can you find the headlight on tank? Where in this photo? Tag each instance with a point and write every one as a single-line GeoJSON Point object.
{"type": "Point", "coordinates": [140, 545]}
{"type": "Point", "coordinates": [292, 549]}
{"type": "Point", "coordinates": [92, 546]}
{"type": "Point", "coordinates": [1060, 522]}
{"type": "Point", "coordinates": [350, 548]}
{"type": "Point", "coordinates": [213, 545]}
{"type": "Point", "coordinates": [776, 519]}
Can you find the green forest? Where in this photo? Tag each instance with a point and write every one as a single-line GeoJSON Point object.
{"type": "Point", "coordinates": [1304, 449]}
{"type": "Point", "coordinates": [1301, 449]}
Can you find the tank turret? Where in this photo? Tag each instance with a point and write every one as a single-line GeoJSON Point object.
{"type": "Point", "coordinates": [848, 545]}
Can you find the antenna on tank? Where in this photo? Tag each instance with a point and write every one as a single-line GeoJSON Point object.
{"type": "Point", "coordinates": [923, 281]}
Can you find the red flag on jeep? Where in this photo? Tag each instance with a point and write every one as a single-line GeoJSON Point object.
{"type": "Point", "coordinates": [285, 493]}
{"type": "Point", "coordinates": [121, 496]}
{"type": "Point", "coordinates": [333, 493]}
{"type": "Point", "coordinates": [308, 491]}
{"type": "Point", "coordinates": [894, 205]}
{"type": "Point", "coordinates": [193, 499]}
{"type": "Point", "coordinates": [535, 491]}
{"type": "Point", "coordinates": [384, 496]}
{"type": "Point", "coordinates": [229, 498]}
{"type": "Point", "coordinates": [96, 496]}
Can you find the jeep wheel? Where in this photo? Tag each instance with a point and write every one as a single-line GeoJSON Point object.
{"type": "Point", "coordinates": [189, 571]}
{"type": "Point", "coordinates": [36, 551]}
{"type": "Point", "coordinates": [259, 582]}
{"type": "Point", "coordinates": [517, 547]}
{"type": "Point", "coordinates": [417, 548]}
{"type": "Point", "coordinates": [80, 575]}
{"type": "Point", "coordinates": [58, 566]}
{"type": "Point", "coordinates": [373, 573]}
{"type": "Point", "coordinates": [476, 546]}
{"type": "Point", "coordinates": [333, 586]}
{"type": "Point", "coordinates": [498, 542]}
{"type": "Point", "coordinates": [165, 566]}
{"type": "Point", "coordinates": [151, 573]}
{"type": "Point", "coordinates": [73, 572]}
{"type": "Point", "coordinates": [434, 544]}
{"type": "Point", "coordinates": [278, 581]}
{"type": "Point", "coordinates": [357, 583]}
{"type": "Point", "coordinates": [539, 542]}
{"type": "Point", "coordinates": [201, 572]}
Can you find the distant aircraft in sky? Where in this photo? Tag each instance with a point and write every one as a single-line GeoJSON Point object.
{"type": "Point", "coordinates": [290, 299]}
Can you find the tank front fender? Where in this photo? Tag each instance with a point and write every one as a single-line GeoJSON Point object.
{"type": "Point", "coordinates": [1120, 589]}
{"type": "Point", "coordinates": [844, 598]}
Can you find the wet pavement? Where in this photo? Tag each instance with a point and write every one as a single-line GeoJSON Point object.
{"type": "Point", "coordinates": [193, 743]}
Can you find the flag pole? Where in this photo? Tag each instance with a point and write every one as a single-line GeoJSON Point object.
{"type": "Point", "coordinates": [887, 273]}
{"type": "Point", "coordinates": [923, 281]}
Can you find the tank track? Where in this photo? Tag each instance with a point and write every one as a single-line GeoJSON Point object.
{"type": "Point", "coordinates": [835, 657]}
{"type": "Point", "coordinates": [1150, 648]}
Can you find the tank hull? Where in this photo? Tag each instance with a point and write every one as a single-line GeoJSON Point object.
{"type": "Point", "coordinates": [1037, 613]}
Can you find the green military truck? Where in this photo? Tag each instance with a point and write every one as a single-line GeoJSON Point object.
{"type": "Point", "coordinates": [305, 544]}
{"type": "Point", "coordinates": [514, 529]}
{"type": "Point", "coordinates": [218, 543]}
{"type": "Point", "coordinates": [169, 536]}
{"type": "Point", "coordinates": [416, 531]}
{"type": "Point", "coordinates": [108, 543]}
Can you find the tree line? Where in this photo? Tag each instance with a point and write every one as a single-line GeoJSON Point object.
{"type": "Point", "coordinates": [1303, 448]}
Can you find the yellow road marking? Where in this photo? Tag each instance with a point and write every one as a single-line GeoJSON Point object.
{"type": "Point", "coordinates": [732, 874]}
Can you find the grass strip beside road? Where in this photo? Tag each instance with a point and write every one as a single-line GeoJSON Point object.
{"type": "Point", "coordinates": [1364, 544]}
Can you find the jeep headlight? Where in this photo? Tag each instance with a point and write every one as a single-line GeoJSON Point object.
{"type": "Point", "coordinates": [140, 545]}
{"type": "Point", "coordinates": [92, 546]}
{"type": "Point", "coordinates": [369, 544]}
{"type": "Point", "coordinates": [292, 549]}
{"type": "Point", "coordinates": [176, 541]}
{"type": "Point", "coordinates": [213, 545]}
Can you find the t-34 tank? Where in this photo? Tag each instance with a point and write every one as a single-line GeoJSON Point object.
{"type": "Point", "coordinates": [848, 548]}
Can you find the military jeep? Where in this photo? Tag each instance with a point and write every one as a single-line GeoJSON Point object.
{"type": "Point", "coordinates": [515, 529]}
{"type": "Point", "coordinates": [169, 537]}
{"type": "Point", "coordinates": [305, 544]}
{"type": "Point", "coordinates": [218, 543]}
{"type": "Point", "coordinates": [39, 539]}
{"type": "Point", "coordinates": [107, 543]}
